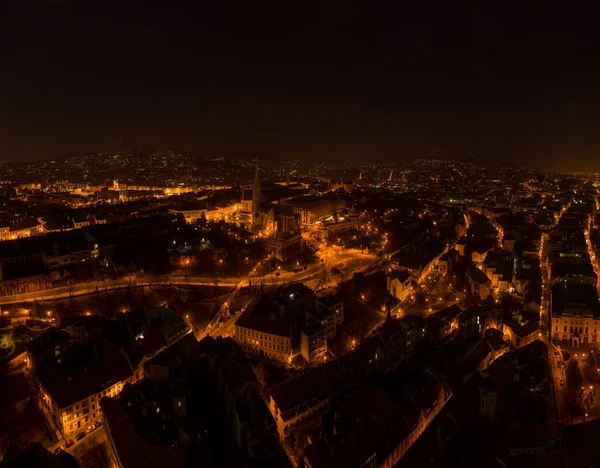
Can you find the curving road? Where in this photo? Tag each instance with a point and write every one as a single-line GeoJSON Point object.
{"type": "Point", "coordinates": [349, 260]}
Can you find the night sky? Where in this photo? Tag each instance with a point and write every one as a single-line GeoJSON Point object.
{"type": "Point", "coordinates": [323, 80]}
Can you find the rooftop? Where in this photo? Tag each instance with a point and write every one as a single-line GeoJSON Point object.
{"type": "Point", "coordinates": [575, 299]}
{"type": "Point", "coordinates": [253, 321]}
{"type": "Point", "coordinates": [401, 275]}
{"type": "Point", "coordinates": [134, 451]}
{"type": "Point", "coordinates": [82, 372]}
{"type": "Point", "coordinates": [47, 340]}
{"type": "Point", "coordinates": [329, 300]}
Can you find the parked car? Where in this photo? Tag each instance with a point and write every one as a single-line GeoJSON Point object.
{"type": "Point", "coordinates": [80, 436]}
{"type": "Point", "coordinates": [69, 443]}
{"type": "Point", "coordinates": [57, 450]}
{"type": "Point", "coordinates": [90, 428]}
{"type": "Point", "coordinates": [99, 423]}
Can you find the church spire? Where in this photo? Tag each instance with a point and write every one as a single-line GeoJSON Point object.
{"type": "Point", "coordinates": [256, 197]}
{"type": "Point", "coordinates": [256, 178]}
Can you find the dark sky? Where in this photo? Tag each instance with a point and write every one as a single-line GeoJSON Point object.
{"type": "Point", "coordinates": [338, 80]}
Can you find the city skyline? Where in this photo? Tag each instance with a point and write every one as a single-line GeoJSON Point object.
{"type": "Point", "coordinates": [248, 311]}
{"type": "Point", "coordinates": [294, 235]}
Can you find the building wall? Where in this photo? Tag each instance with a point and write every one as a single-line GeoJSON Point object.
{"type": "Point", "coordinates": [274, 346]}
{"type": "Point", "coordinates": [481, 289]}
{"type": "Point", "coordinates": [312, 211]}
{"type": "Point", "coordinates": [488, 403]}
{"type": "Point", "coordinates": [28, 232]}
{"type": "Point", "coordinates": [443, 267]}
{"type": "Point", "coordinates": [398, 289]}
{"type": "Point", "coordinates": [25, 285]}
{"type": "Point", "coordinates": [516, 340]}
{"type": "Point", "coordinates": [576, 330]}
{"type": "Point", "coordinates": [424, 421]}
{"type": "Point", "coordinates": [575, 279]}
{"type": "Point", "coordinates": [283, 249]}
{"type": "Point", "coordinates": [113, 455]}
{"type": "Point", "coordinates": [330, 229]}
{"type": "Point", "coordinates": [286, 422]}
{"type": "Point", "coordinates": [313, 347]}
{"type": "Point", "coordinates": [246, 206]}
{"type": "Point", "coordinates": [74, 418]}
{"type": "Point", "coordinates": [333, 317]}
{"type": "Point", "coordinates": [223, 213]}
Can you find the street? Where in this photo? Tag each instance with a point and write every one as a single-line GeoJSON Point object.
{"type": "Point", "coordinates": [435, 293]}
{"type": "Point", "coordinates": [559, 380]}
{"type": "Point", "coordinates": [350, 259]}
{"type": "Point", "coordinates": [91, 440]}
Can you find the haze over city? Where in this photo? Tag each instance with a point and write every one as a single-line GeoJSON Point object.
{"type": "Point", "coordinates": [333, 81]}
{"type": "Point", "coordinates": [276, 235]}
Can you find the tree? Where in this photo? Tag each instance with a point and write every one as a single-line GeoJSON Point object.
{"type": "Point", "coordinates": [71, 291]}
{"type": "Point", "coordinates": [216, 281]}
{"type": "Point", "coordinates": [131, 277]}
{"type": "Point", "coordinates": [202, 220]}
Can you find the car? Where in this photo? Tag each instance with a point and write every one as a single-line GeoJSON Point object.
{"type": "Point", "coordinates": [556, 353]}
{"type": "Point", "coordinates": [99, 423]}
{"type": "Point", "coordinates": [69, 443]}
{"type": "Point", "coordinates": [80, 436]}
{"type": "Point", "coordinates": [562, 383]}
{"type": "Point", "coordinates": [57, 450]}
{"type": "Point", "coordinates": [90, 428]}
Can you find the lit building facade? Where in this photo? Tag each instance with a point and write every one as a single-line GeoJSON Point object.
{"type": "Point", "coordinates": [260, 337]}
{"type": "Point", "coordinates": [312, 208]}
{"type": "Point", "coordinates": [575, 314]}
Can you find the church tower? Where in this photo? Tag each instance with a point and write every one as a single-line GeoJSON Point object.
{"type": "Point", "coordinates": [255, 198]}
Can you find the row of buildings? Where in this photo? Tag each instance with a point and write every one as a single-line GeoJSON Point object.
{"type": "Point", "coordinates": [73, 367]}
{"type": "Point", "coordinates": [290, 323]}
{"type": "Point", "coordinates": [575, 311]}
